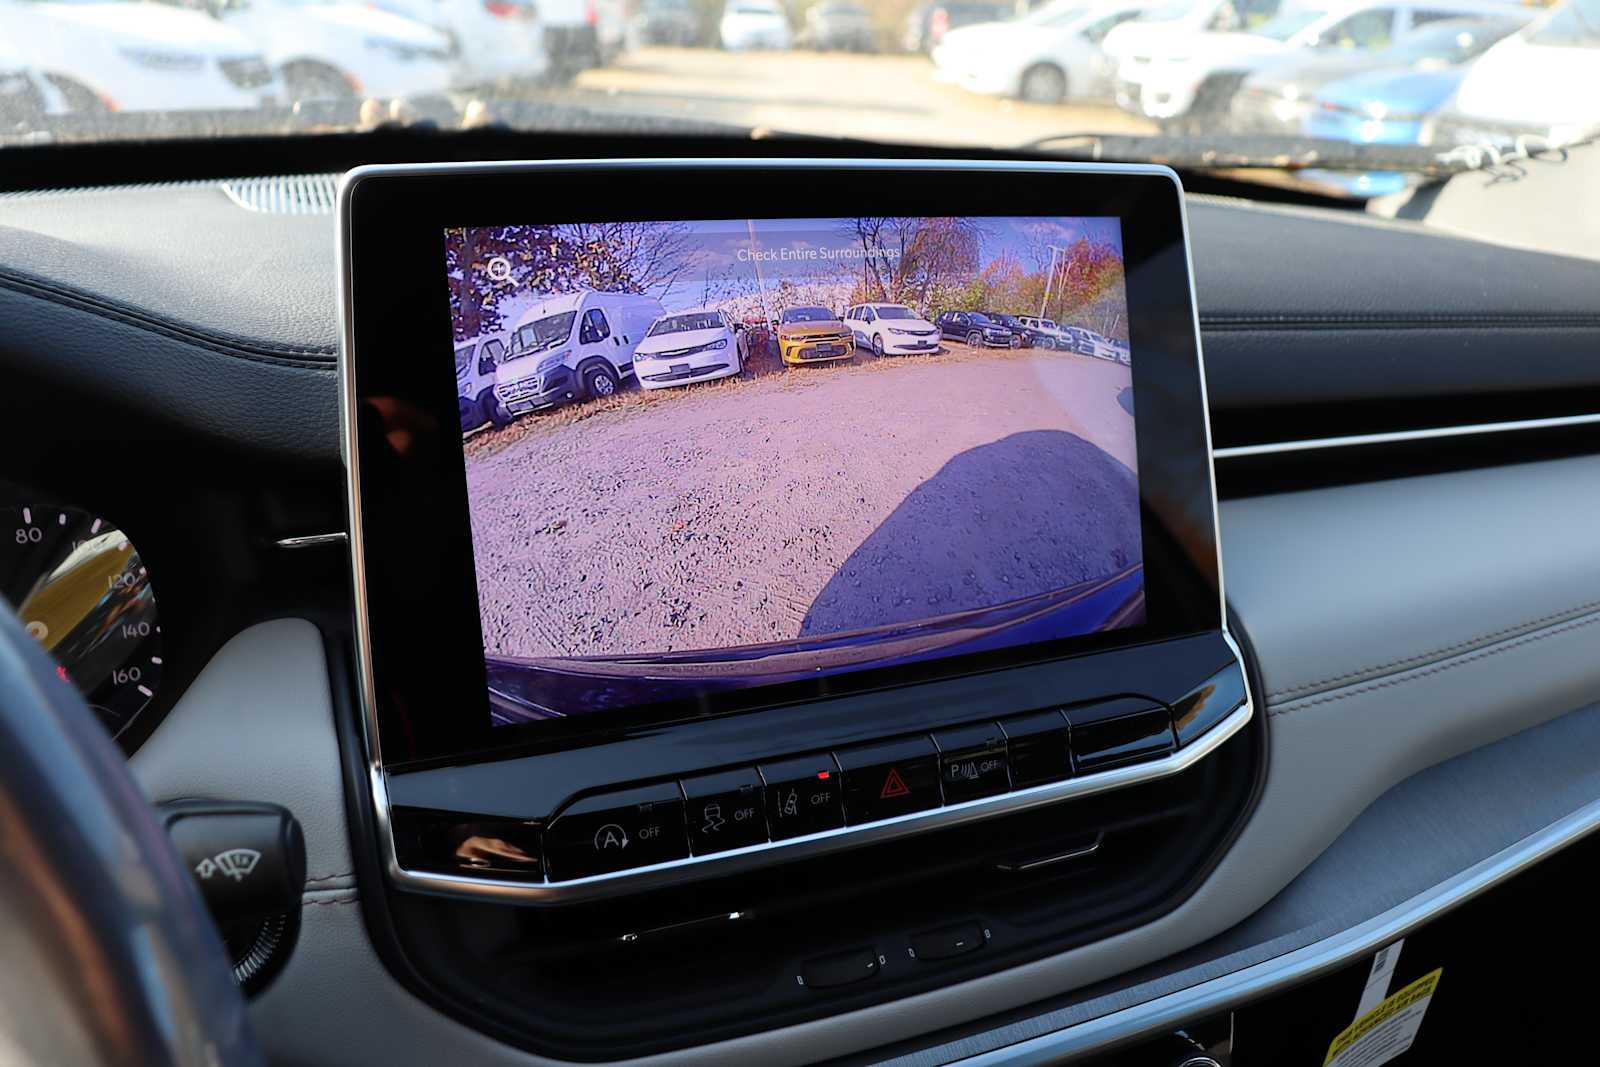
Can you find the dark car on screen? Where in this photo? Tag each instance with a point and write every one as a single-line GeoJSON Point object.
{"type": "Point", "coordinates": [976, 329]}
{"type": "Point", "coordinates": [927, 25]}
{"type": "Point", "coordinates": [1028, 336]}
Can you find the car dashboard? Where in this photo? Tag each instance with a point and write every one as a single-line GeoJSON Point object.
{"type": "Point", "coordinates": [1404, 444]}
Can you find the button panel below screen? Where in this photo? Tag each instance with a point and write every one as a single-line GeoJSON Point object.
{"type": "Point", "coordinates": [706, 814]}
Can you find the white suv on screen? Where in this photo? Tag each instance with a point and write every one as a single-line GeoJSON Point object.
{"type": "Point", "coordinates": [697, 345]}
{"type": "Point", "coordinates": [891, 329]}
{"type": "Point", "coordinates": [1052, 335]}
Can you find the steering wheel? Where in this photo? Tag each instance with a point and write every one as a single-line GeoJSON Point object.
{"type": "Point", "coordinates": [107, 953]}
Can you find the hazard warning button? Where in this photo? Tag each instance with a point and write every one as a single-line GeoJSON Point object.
{"type": "Point", "coordinates": [888, 779]}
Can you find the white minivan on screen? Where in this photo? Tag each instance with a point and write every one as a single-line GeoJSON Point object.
{"type": "Point", "coordinates": [476, 360]}
{"type": "Point", "coordinates": [891, 329]}
{"type": "Point", "coordinates": [696, 345]}
{"type": "Point", "coordinates": [570, 347]}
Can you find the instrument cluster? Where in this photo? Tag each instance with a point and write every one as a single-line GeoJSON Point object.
{"type": "Point", "coordinates": [82, 589]}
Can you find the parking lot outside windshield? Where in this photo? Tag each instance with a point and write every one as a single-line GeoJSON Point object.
{"type": "Point", "coordinates": [712, 455]}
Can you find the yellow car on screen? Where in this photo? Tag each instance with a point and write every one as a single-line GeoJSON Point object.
{"type": "Point", "coordinates": [812, 335]}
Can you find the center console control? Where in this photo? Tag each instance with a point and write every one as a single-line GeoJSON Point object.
{"type": "Point", "coordinates": [787, 799]}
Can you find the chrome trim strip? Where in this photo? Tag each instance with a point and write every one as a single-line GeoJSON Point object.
{"type": "Point", "coordinates": [312, 540]}
{"type": "Point", "coordinates": [755, 855]}
{"type": "Point", "coordinates": [1401, 436]}
{"type": "Point", "coordinates": [1050, 861]}
{"type": "Point", "coordinates": [1219, 994]}
{"type": "Point", "coordinates": [1205, 408]}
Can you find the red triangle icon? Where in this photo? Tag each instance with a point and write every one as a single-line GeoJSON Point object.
{"type": "Point", "coordinates": [894, 785]}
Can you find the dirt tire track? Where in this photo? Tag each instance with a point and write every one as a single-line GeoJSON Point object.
{"type": "Point", "coordinates": [802, 502]}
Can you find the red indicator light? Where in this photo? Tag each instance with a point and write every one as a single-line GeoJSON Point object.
{"type": "Point", "coordinates": [823, 775]}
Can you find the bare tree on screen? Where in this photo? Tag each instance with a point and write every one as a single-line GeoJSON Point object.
{"type": "Point", "coordinates": [631, 257]}
{"type": "Point", "coordinates": [909, 260]}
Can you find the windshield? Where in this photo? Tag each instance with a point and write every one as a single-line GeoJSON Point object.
{"type": "Point", "coordinates": [1107, 80]}
{"type": "Point", "coordinates": [1054, 14]}
{"type": "Point", "coordinates": [1448, 42]}
{"type": "Point", "coordinates": [894, 311]}
{"type": "Point", "coordinates": [697, 320]}
{"type": "Point", "coordinates": [541, 334]}
{"type": "Point", "coordinates": [807, 315]}
{"type": "Point", "coordinates": [1577, 25]}
{"type": "Point", "coordinates": [1287, 25]}
{"type": "Point", "coordinates": [1169, 12]}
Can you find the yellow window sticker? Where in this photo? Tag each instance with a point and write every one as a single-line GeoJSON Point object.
{"type": "Point", "coordinates": [1387, 1030]}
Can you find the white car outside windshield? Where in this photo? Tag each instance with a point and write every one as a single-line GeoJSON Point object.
{"type": "Point", "coordinates": [1046, 57]}
{"type": "Point", "coordinates": [755, 24]}
{"type": "Point", "coordinates": [326, 49]}
{"type": "Point", "coordinates": [1543, 81]}
{"type": "Point", "coordinates": [493, 40]}
{"type": "Point", "coordinates": [1166, 82]}
{"type": "Point", "coordinates": [118, 55]}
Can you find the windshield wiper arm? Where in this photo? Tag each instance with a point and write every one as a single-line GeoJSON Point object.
{"type": "Point", "coordinates": [1225, 151]}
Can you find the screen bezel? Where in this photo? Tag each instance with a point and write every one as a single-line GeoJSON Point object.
{"type": "Point", "coordinates": [418, 637]}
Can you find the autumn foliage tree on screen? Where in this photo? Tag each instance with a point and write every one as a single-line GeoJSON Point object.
{"type": "Point", "coordinates": [622, 257]}
{"type": "Point", "coordinates": [935, 264]}
{"type": "Point", "coordinates": [1088, 289]}
{"type": "Point", "coordinates": [1081, 285]}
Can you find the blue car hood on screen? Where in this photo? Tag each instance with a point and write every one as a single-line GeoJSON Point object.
{"type": "Point", "coordinates": [1405, 92]}
{"type": "Point", "coordinates": [523, 690]}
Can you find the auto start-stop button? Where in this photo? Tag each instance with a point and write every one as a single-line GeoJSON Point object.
{"type": "Point", "coordinates": [615, 831]}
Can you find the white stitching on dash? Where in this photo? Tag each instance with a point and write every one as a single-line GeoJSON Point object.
{"type": "Point", "coordinates": [314, 879]}
{"type": "Point", "coordinates": [1422, 657]}
{"type": "Point", "coordinates": [1439, 668]}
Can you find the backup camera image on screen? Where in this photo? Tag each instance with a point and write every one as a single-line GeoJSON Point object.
{"type": "Point", "coordinates": [704, 456]}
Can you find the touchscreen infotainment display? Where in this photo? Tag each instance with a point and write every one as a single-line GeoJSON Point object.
{"type": "Point", "coordinates": [711, 455]}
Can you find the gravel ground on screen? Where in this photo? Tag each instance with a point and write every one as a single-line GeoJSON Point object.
{"type": "Point", "coordinates": [810, 501]}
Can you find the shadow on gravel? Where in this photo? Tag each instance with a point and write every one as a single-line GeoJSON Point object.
{"type": "Point", "coordinates": [1028, 514]}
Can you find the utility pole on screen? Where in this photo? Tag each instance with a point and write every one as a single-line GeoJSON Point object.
{"type": "Point", "coordinates": [761, 285]}
{"type": "Point", "coordinates": [1049, 278]}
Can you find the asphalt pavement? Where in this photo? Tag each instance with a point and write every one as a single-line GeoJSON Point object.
{"type": "Point", "coordinates": [890, 98]}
